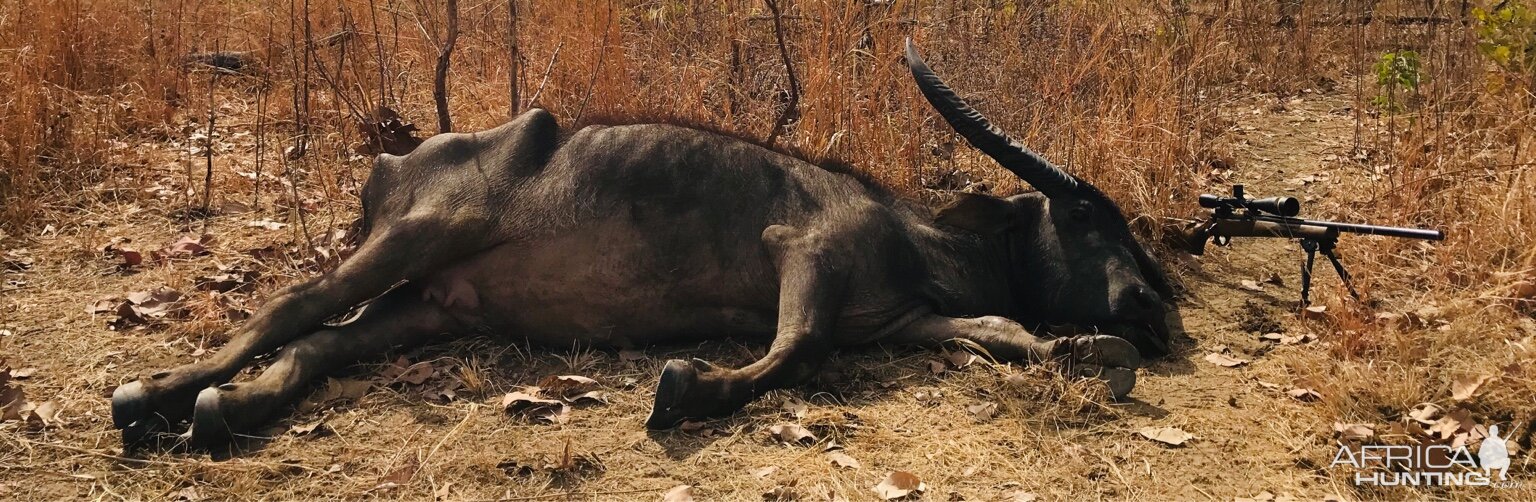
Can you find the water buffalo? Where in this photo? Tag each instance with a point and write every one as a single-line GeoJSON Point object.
{"type": "Point", "coordinates": [642, 234]}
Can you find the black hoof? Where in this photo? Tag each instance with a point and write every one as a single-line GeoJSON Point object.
{"type": "Point", "coordinates": [1120, 380]}
{"type": "Point", "coordinates": [209, 429]}
{"type": "Point", "coordinates": [1105, 350]}
{"type": "Point", "coordinates": [677, 377]}
{"type": "Point", "coordinates": [130, 404]}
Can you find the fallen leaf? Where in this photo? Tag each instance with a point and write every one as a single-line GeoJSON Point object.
{"type": "Point", "coordinates": [701, 429]}
{"type": "Point", "coordinates": [928, 397]}
{"type": "Point", "coordinates": [844, 460]}
{"type": "Point", "coordinates": [1465, 386]}
{"type": "Point", "coordinates": [937, 367]}
{"type": "Point", "coordinates": [549, 411]}
{"type": "Point", "coordinates": [1424, 413]}
{"type": "Point", "coordinates": [1275, 279]}
{"type": "Point", "coordinates": [679, 493]}
{"type": "Point", "coordinates": [267, 224]}
{"type": "Point", "coordinates": [351, 388]}
{"type": "Point", "coordinates": [1315, 312]}
{"type": "Point", "coordinates": [1306, 395]}
{"type": "Point", "coordinates": [1224, 360]}
{"type": "Point", "coordinates": [1021, 496]}
{"type": "Point", "coordinates": [45, 414]}
{"type": "Point", "coordinates": [630, 356]}
{"type": "Point", "coordinates": [960, 358]}
{"type": "Point", "coordinates": [899, 484]}
{"type": "Point", "coordinates": [12, 399]}
{"type": "Point", "coordinates": [317, 427]}
{"type": "Point", "coordinates": [184, 247]}
{"type": "Point", "coordinates": [401, 474]}
{"type": "Point", "coordinates": [791, 433]}
{"type": "Point", "coordinates": [102, 306]}
{"type": "Point", "coordinates": [764, 472]}
{"type": "Point", "coordinates": [1251, 285]}
{"type": "Point", "coordinates": [796, 408]}
{"type": "Point", "coordinates": [1172, 436]}
{"type": "Point", "coordinates": [23, 373]}
{"type": "Point", "coordinates": [781, 493]}
{"type": "Point", "coordinates": [982, 412]}
{"type": "Point", "coordinates": [227, 280]}
{"type": "Point", "coordinates": [1353, 431]}
{"type": "Point", "coordinates": [566, 386]}
{"type": "Point", "coordinates": [589, 397]}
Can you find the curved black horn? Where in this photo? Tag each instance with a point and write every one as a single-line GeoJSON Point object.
{"type": "Point", "coordinates": [980, 133]}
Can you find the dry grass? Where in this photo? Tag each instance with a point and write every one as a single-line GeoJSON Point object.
{"type": "Point", "coordinates": [102, 114]}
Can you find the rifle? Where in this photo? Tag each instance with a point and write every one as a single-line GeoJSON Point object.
{"type": "Point", "coordinates": [1239, 216]}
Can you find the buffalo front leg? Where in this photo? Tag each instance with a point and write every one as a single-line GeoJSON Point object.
{"type": "Point", "coordinates": [404, 250]}
{"type": "Point", "coordinates": [1111, 359]}
{"type": "Point", "coordinates": [399, 319]}
{"type": "Point", "coordinates": [809, 296]}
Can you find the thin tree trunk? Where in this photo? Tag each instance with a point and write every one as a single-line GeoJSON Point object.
{"type": "Point", "coordinates": [440, 79]}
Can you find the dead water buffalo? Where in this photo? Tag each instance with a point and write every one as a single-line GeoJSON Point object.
{"type": "Point", "coordinates": [642, 234]}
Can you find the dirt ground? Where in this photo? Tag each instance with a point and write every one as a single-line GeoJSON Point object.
{"type": "Point", "coordinates": [884, 407]}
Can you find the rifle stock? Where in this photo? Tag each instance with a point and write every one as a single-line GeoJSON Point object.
{"type": "Point", "coordinates": [1197, 234]}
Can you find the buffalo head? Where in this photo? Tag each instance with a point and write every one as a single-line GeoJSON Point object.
{"type": "Point", "coordinates": [1073, 258]}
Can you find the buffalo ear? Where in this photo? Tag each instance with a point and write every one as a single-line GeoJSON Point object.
{"type": "Point", "coordinates": [983, 214]}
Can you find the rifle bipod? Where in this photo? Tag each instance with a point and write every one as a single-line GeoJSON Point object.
{"type": "Point", "coordinates": [1325, 246]}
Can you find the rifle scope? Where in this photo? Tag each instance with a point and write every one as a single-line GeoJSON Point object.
{"type": "Point", "coordinates": [1280, 206]}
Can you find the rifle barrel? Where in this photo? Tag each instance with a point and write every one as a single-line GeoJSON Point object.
{"type": "Point", "coordinates": [1402, 232]}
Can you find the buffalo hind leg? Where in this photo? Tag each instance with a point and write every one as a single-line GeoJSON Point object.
{"type": "Point", "coordinates": [1108, 358]}
{"type": "Point", "coordinates": [809, 297]}
{"type": "Point", "coordinates": [408, 248]}
{"type": "Point", "coordinates": [399, 319]}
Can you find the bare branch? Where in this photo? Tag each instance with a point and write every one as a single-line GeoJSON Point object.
{"type": "Point", "coordinates": [794, 83]}
{"type": "Point", "coordinates": [534, 101]}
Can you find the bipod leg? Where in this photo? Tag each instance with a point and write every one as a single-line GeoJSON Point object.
{"type": "Point", "coordinates": [1338, 266]}
{"type": "Point", "coordinates": [1310, 246]}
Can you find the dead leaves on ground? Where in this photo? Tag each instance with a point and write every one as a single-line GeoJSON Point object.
{"type": "Point", "coordinates": [127, 256]}
{"type": "Point", "coordinates": [679, 493]}
{"type": "Point", "coordinates": [1171, 436]}
{"type": "Point", "coordinates": [141, 308]}
{"type": "Point", "coordinates": [14, 404]}
{"type": "Point", "coordinates": [1221, 358]}
{"type": "Point", "coordinates": [843, 460]}
{"type": "Point", "coordinates": [551, 400]}
{"type": "Point", "coordinates": [1465, 386]}
{"type": "Point", "coordinates": [899, 484]}
{"type": "Point", "coordinates": [791, 434]}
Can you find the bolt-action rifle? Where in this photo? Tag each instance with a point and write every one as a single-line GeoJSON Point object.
{"type": "Point", "coordinates": [1238, 216]}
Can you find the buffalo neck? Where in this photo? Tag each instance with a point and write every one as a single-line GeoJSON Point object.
{"type": "Point", "coordinates": [969, 274]}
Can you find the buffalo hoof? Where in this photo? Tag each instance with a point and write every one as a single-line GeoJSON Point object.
{"type": "Point", "coordinates": [209, 428]}
{"type": "Point", "coordinates": [130, 404]}
{"type": "Point", "coordinates": [677, 378]}
{"type": "Point", "coordinates": [690, 389]}
{"type": "Point", "coordinates": [1111, 359]}
{"type": "Point", "coordinates": [1102, 350]}
{"type": "Point", "coordinates": [133, 414]}
{"type": "Point", "coordinates": [1119, 380]}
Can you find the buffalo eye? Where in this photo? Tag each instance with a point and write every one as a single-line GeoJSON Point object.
{"type": "Point", "coordinates": [1080, 212]}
